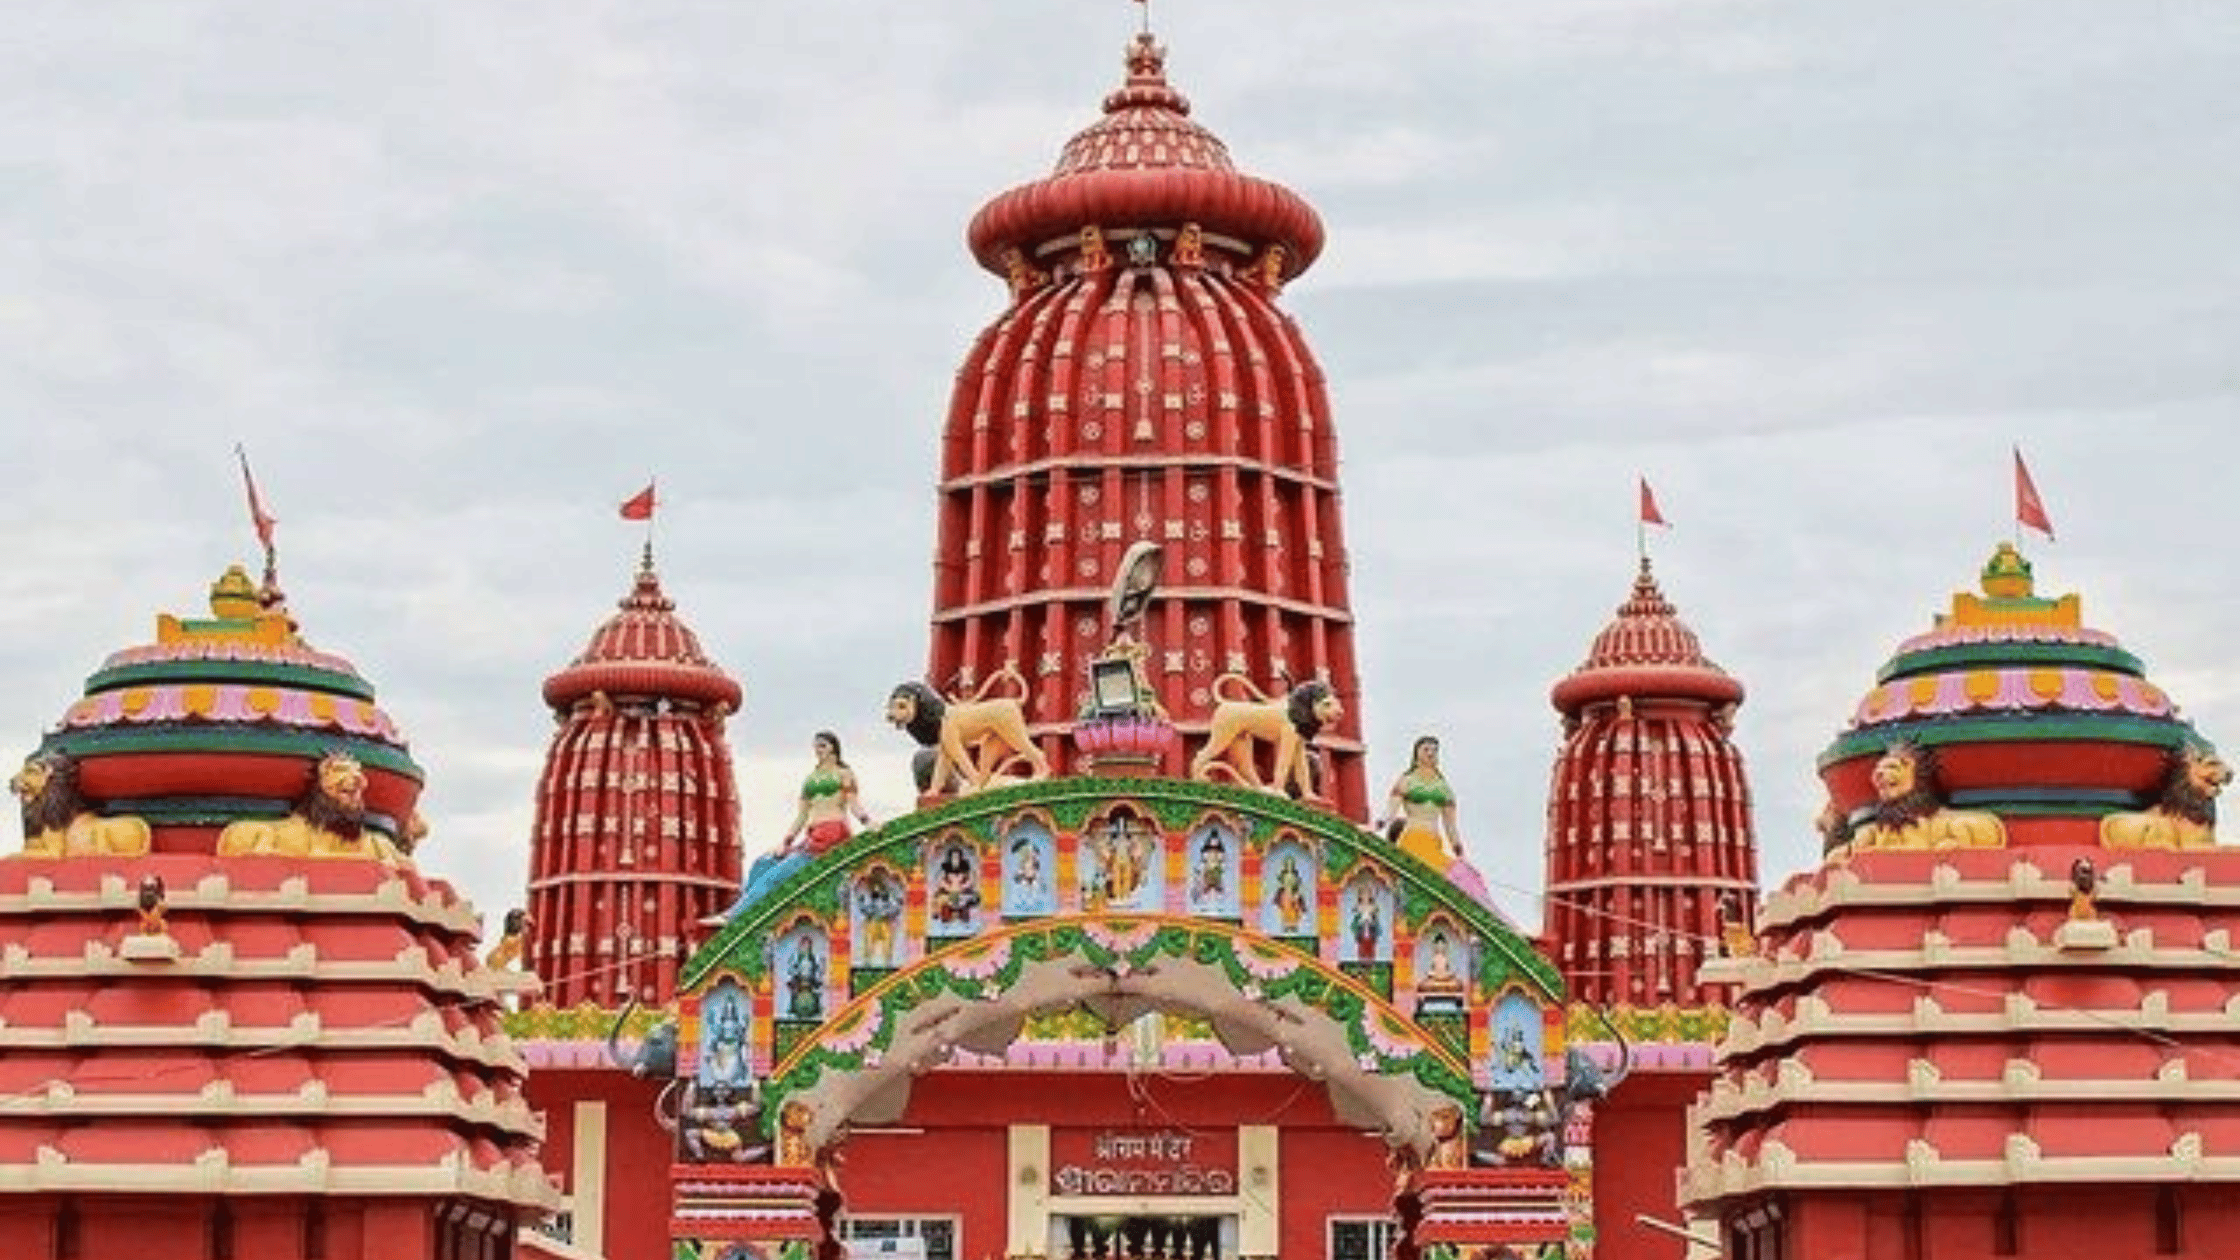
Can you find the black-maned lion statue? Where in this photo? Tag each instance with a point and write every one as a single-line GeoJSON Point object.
{"type": "Point", "coordinates": [58, 821]}
{"type": "Point", "coordinates": [1244, 717]}
{"type": "Point", "coordinates": [965, 745]}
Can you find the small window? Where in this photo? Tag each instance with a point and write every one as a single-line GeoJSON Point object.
{"type": "Point", "coordinates": [1364, 1238]}
{"type": "Point", "coordinates": [901, 1237]}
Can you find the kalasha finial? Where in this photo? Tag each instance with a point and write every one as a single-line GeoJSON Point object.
{"type": "Point", "coordinates": [645, 559]}
{"type": "Point", "coordinates": [1147, 57]}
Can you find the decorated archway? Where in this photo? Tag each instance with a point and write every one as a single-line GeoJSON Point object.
{"type": "Point", "coordinates": [954, 936]}
{"type": "Point", "coordinates": [1261, 998]}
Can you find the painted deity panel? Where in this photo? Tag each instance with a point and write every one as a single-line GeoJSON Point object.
{"type": "Point", "coordinates": [1215, 857]}
{"type": "Point", "coordinates": [1519, 1044]}
{"type": "Point", "coordinates": [1123, 863]}
{"type": "Point", "coordinates": [1368, 909]}
{"type": "Point", "coordinates": [1030, 871]}
{"type": "Point", "coordinates": [1287, 881]}
{"type": "Point", "coordinates": [875, 918]}
{"type": "Point", "coordinates": [1442, 964]}
{"type": "Point", "coordinates": [804, 968]}
{"type": "Point", "coordinates": [952, 888]}
{"type": "Point", "coordinates": [724, 1023]}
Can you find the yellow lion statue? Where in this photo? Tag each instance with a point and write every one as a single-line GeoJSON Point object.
{"type": "Point", "coordinates": [328, 821]}
{"type": "Point", "coordinates": [2185, 816]}
{"type": "Point", "coordinates": [57, 821]}
{"type": "Point", "coordinates": [1242, 721]}
{"type": "Point", "coordinates": [1910, 812]}
{"type": "Point", "coordinates": [967, 743]}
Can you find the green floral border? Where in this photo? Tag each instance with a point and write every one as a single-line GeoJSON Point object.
{"type": "Point", "coordinates": [995, 961]}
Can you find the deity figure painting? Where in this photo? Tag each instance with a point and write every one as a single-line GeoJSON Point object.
{"type": "Point", "coordinates": [1368, 911]}
{"type": "Point", "coordinates": [804, 969]}
{"type": "Point", "coordinates": [878, 917]}
{"type": "Point", "coordinates": [1215, 852]}
{"type": "Point", "coordinates": [1287, 878]}
{"type": "Point", "coordinates": [723, 1036]}
{"type": "Point", "coordinates": [1030, 866]}
{"type": "Point", "coordinates": [1442, 961]}
{"type": "Point", "coordinates": [953, 890]}
{"type": "Point", "coordinates": [1519, 1035]}
{"type": "Point", "coordinates": [1121, 864]}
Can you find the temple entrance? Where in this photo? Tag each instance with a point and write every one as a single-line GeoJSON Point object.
{"type": "Point", "coordinates": [1142, 1236]}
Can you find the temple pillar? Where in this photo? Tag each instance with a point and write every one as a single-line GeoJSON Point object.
{"type": "Point", "coordinates": [1259, 1225]}
{"type": "Point", "coordinates": [1028, 1197]}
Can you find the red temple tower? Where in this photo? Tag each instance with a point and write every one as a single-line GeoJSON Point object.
{"type": "Point", "coordinates": [637, 829]}
{"type": "Point", "coordinates": [1144, 385]}
{"type": "Point", "coordinates": [1648, 811]}
{"type": "Point", "coordinates": [238, 1019]}
{"type": "Point", "coordinates": [1998, 1020]}
{"type": "Point", "coordinates": [1648, 832]}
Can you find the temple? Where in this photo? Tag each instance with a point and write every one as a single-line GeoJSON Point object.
{"type": "Point", "coordinates": [637, 826]}
{"type": "Point", "coordinates": [1652, 863]}
{"type": "Point", "coordinates": [1149, 971]}
{"type": "Point", "coordinates": [1145, 386]}
{"type": "Point", "coordinates": [1998, 1021]}
{"type": "Point", "coordinates": [238, 1020]}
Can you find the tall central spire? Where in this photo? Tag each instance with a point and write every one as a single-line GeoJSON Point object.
{"type": "Point", "coordinates": [1145, 385]}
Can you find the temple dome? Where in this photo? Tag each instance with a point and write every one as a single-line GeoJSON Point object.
{"type": "Point", "coordinates": [1144, 385]}
{"type": "Point", "coordinates": [2030, 713]}
{"type": "Point", "coordinates": [1147, 163]}
{"type": "Point", "coordinates": [1645, 650]}
{"type": "Point", "coordinates": [644, 650]}
{"type": "Point", "coordinates": [222, 718]}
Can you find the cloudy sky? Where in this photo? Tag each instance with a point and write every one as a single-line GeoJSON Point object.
{"type": "Point", "coordinates": [465, 274]}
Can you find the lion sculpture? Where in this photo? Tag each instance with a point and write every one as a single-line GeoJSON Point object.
{"type": "Point", "coordinates": [973, 742]}
{"type": "Point", "coordinates": [794, 1150]}
{"type": "Point", "coordinates": [1910, 812]}
{"type": "Point", "coordinates": [329, 821]}
{"type": "Point", "coordinates": [2185, 816]}
{"type": "Point", "coordinates": [57, 821]}
{"type": "Point", "coordinates": [1244, 718]}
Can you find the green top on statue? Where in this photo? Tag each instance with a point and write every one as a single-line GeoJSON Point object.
{"type": "Point", "coordinates": [823, 783]}
{"type": "Point", "coordinates": [1426, 791]}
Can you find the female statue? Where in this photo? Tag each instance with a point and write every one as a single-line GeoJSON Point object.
{"type": "Point", "coordinates": [1420, 818]}
{"type": "Point", "coordinates": [828, 798]}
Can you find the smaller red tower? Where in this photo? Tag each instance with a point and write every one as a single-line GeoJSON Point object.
{"type": "Point", "coordinates": [637, 827]}
{"type": "Point", "coordinates": [1648, 813]}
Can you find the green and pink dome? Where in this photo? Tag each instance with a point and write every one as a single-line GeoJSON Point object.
{"type": "Point", "coordinates": [2031, 714]}
{"type": "Point", "coordinates": [225, 718]}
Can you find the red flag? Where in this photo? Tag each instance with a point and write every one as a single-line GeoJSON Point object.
{"type": "Point", "coordinates": [639, 506]}
{"type": "Point", "coordinates": [1649, 513]}
{"type": "Point", "coordinates": [2029, 509]}
{"type": "Point", "coordinates": [263, 520]}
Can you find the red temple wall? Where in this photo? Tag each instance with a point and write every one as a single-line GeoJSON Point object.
{"type": "Point", "coordinates": [639, 1152]}
{"type": "Point", "coordinates": [1640, 1140]}
{"type": "Point", "coordinates": [2080, 1222]}
{"type": "Point", "coordinates": [1325, 1173]}
{"type": "Point", "coordinates": [179, 1227]}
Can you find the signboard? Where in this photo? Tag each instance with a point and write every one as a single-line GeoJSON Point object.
{"type": "Point", "coordinates": [1143, 1162]}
